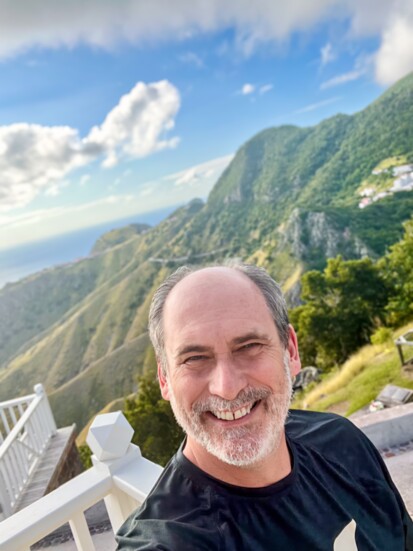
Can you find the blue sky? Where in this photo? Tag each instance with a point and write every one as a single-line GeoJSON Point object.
{"type": "Point", "coordinates": [110, 109]}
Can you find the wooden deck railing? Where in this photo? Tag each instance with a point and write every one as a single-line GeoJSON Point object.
{"type": "Point", "coordinates": [26, 426]}
{"type": "Point", "coordinates": [120, 476]}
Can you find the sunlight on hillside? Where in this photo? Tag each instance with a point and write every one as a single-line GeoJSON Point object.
{"type": "Point", "coordinates": [358, 381]}
{"type": "Point", "coordinates": [293, 279]}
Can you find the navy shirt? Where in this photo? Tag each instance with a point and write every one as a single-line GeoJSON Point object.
{"type": "Point", "coordinates": [337, 476]}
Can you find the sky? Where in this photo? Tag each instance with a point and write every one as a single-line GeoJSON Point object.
{"type": "Point", "coordinates": [110, 109]}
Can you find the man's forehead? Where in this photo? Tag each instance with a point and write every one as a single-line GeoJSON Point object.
{"type": "Point", "coordinates": [221, 292]}
{"type": "Point", "coordinates": [203, 287]}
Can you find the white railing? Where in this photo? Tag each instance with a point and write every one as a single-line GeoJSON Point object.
{"type": "Point", "coordinates": [120, 476]}
{"type": "Point", "coordinates": [26, 426]}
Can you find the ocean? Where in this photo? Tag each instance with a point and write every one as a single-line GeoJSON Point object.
{"type": "Point", "coordinates": [33, 257]}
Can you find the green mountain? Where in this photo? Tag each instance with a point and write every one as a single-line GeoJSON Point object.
{"type": "Point", "coordinates": [288, 201]}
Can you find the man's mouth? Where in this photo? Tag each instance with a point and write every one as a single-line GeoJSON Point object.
{"type": "Point", "coordinates": [227, 415]}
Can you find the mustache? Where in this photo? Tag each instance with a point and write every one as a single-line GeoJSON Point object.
{"type": "Point", "coordinates": [245, 396]}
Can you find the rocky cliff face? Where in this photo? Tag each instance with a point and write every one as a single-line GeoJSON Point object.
{"type": "Point", "coordinates": [315, 235]}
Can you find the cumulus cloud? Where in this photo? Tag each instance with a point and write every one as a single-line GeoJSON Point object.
{"type": "Point", "coordinates": [395, 56]}
{"type": "Point", "coordinates": [36, 158]}
{"type": "Point", "coordinates": [135, 125]}
{"type": "Point", "coordinates": [33, 158]}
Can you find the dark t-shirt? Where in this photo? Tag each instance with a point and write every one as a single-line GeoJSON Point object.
{"type": "Point", "coordinates": [337, 476]}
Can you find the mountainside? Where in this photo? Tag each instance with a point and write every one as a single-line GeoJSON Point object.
{"type": "Point", "coordinates": [289, 200]}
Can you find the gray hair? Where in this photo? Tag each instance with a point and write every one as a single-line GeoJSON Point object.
{"type": "Point", "coordinates": [269, 288]}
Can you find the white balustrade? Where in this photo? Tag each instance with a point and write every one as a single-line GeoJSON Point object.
{"type": "Point", "coordinates": [120, 476]}
{"type": "Point", "coordinates": [26, 426]}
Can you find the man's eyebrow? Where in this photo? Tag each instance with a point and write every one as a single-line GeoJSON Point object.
{"type": "Point", "coordinates": [191, 348]}
{"type": "Point", "coordinates": [251, 337]}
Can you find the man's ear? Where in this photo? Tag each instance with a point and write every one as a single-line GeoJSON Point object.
{"type": "Point", "coordinates": [163, 381]}
{"type": "Point", "coordinates": [294, 356]}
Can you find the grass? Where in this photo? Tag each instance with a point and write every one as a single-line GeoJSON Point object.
{"type": "Point", "coordinates": [391, 162]}
{"type": "Point", "coordinates": [358, 381]}
{"type": "Point", "coordinates": [293, 279]}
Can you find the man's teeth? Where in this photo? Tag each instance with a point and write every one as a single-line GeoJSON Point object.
{"type": "Point", "coordinates": [232, 415]}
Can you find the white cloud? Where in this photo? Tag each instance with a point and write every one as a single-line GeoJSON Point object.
{"type": "Point", "coordinates": [395, 56]}
{"type": "Point", "coordinates": [265, 88]}
{"type": "Point", "coordinates": [247, 89]}
{"type": "Point", "coordinates": [318, 105]}
{"type": "Point", "coordinates": [135, 125]}
{"type": "Point", "coordinates": [50, 24]}
{"type": "Point", "coordinates": [36, 158]}
{"type": "Point", "coordinates": [327, 54]}
{"type": "Point", "coordinates": [342, 79]}
{"type": "Point", "coordinates": [33, 158]}
{"type": "Point", "coordinates": [24, 24]}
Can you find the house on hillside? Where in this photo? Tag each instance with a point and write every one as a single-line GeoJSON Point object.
{"type": "Point", "coordinates": [402, 169]}
{"type": "Point", "coordinates": [404, 183]}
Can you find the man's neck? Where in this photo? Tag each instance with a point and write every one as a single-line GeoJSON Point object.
{"type": "Point", "coordinates": [271, 469]}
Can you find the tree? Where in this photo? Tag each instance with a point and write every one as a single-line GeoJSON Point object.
{"type": "Point", "coordinates": [397, 271]}
{"type": "Point", "coordinates": [343, 305]}
{"type": "Point", "coordinates": [156, 431]}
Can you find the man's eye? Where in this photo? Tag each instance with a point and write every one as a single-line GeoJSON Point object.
{"type": "Point", "coordinates": [197, 358]}
{"type": "Point", "coordinates": [250, 346]}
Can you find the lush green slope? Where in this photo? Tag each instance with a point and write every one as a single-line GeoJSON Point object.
{"type": "Point", "coordinates": [288, 201]}
{"type": "Point", "coordinates": [115, 237]}
{"type": "Point", "coordinates": [93, 352]}
{"type": "Point", "coordinates": [359, 381]}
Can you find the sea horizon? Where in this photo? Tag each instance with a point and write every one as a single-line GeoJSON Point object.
{"type": "Point", "coordinates": [19, 262]}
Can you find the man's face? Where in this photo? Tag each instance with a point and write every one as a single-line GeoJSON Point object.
{"type": "Point", "coordinates": [228, 376]}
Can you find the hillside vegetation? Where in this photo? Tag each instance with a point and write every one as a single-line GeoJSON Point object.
{"type": "Point", "coordinates": [288, 201]}
{"type": "Point", "coordinates": [359, 380]}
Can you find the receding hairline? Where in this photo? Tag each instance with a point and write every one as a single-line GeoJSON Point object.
{"type": "Point", "coordinates": [203, 272]}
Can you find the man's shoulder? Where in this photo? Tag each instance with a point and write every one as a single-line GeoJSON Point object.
{"type": "Point", "coordinates": [171, 516]}
{"type": "Point", "coordinates": [302, 422]}
{"type": "Point", "coordinates": [323, 430]}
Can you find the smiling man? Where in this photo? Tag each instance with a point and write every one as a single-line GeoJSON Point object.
{"type": "Point", "coordinates": [251, 475]}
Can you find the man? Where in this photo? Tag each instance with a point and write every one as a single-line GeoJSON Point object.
{"type": "Point", "coordinates": [247, 477]}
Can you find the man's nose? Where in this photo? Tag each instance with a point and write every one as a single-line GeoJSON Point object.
{"type": "Point", "coordinates": [227, 379]}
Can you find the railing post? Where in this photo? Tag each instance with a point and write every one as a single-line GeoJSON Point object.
{"type": "Point", "coordinates": [46, 409]}
{"type": "Point", "coordinates": [109, 438]}
{"type": "Point", "coordinates": [5, 509]}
